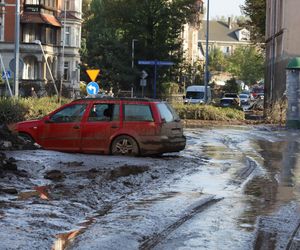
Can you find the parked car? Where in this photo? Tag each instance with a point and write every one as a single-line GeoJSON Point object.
{"type": "Point", "coordinates": [118, 126]}
{"type": "Point", "coordinates": [245, 99]}
{"type": "Point", "coordinates": [225, 101]}
{"type": "Point", "coordinates": [228, 102]}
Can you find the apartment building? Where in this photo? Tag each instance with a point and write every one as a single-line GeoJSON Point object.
{"type": "Point", "coordinates": [282, 44]}
{"type": "Point", "coordinates": [59, 34]}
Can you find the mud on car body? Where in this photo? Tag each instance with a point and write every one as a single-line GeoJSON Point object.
{"type": "Point", "coordinates": [126, 126]}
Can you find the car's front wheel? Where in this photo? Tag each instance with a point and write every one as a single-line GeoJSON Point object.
{"type": "Point", "coordinates": [125, 145]}
{"type": "Point", "coordinates": [26, 138]}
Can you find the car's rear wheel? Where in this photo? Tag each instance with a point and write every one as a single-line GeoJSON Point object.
{"type": "Point", "coordinates": [125, 145]}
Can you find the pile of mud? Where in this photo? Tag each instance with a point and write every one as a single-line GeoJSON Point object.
{"type": "Point", "coordinates": [9, 141]}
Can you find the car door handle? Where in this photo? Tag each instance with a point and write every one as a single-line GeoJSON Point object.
{"type": "Point", "coordinates": [114, 126]}
{"type": "Point", "coordinates": [76, 127]}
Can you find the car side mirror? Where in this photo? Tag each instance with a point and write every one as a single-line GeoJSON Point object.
{"type": "Point", "coordinates": [48, 120]}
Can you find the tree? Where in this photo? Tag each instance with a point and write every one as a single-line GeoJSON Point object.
{"type": "Point", "coordinates": [156, 24]}
{"type": "Point", "coordinates": [256, 11]}
{"type": "Point", "coordinates": [217, 60]}
{"type": "Point", "coordinates": [246, 64]}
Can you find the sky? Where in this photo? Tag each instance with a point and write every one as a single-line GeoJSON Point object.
{"type": "Point", "coordinates": [224, 7]}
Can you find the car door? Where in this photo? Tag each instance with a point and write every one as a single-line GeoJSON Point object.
{"type": "Point", "coordinates": [62, 129]}
{"type": "Point", "coordinates": [138, 121]}
{"type": "Point", "coordinates": [102, 121]}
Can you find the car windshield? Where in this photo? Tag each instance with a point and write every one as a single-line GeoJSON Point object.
{"type": "Point", "coordinates": [231, 95]}
{"type": "Point", "coordinates": [243, 96]}
{"type": "Point", "coordinates": [194, 95]}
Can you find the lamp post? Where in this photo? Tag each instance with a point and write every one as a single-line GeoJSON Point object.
{"type": "Point", "coordinates": [206, 53]}
{"type": "Point", "coordinates": [17, 48]}
{"type": "Point", "coordinates": [62, 55]}
{"type": "Point", "coordinates": [49, 69]}
{"type": "Point", "coordinates": [132, 61]}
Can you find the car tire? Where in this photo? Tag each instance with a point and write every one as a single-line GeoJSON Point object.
{"type": "Point", "coordinates": [125, 145]}
{"type": "Point", "coordinates": [26, 138]}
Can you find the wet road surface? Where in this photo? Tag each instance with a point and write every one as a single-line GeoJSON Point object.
{"type": "Point", "coordinates": [231, 188]}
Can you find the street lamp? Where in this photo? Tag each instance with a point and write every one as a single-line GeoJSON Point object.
{"type": "Point", "coordinates": [17, 48]}
{"type": "Point", "coordinates": [39, 43]}
{"type": "Point", "coordinates": [132, 60]}
{"type": "Point", "coordinates": [206, 53]}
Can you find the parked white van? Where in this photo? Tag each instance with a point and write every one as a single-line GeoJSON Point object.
{"type": "Point", "coordinates": [196, 94]}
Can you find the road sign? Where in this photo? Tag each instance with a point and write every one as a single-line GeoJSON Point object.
{"type": "Point", "coordinates": [93, 73]}
{"type": "Point", "coordinates": [144, 74]}
{"type": "Point", "coordinates": [6, 74]}
{"type": "Point", "coordinates": [92, 88]}
{"type": "Point", "coordinates": [159, 63]}
{"type": "Point", "coordinates": [143, 82]}
{"type": "Point", "coordinates": [12, 65]}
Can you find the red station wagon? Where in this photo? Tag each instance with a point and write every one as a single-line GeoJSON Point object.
{"type": "Point", "coordinates": [123, 126]}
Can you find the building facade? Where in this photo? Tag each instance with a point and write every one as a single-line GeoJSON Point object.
{"type": "Point", "coordinates": [49, 43]}
{"type": "Point", "coordinates": [282, 44]}
{"type": "Point", "coordinates": [189, 34]}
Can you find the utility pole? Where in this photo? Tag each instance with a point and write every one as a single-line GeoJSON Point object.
{"type": "Point", "coordinates": [132, 61]}
{"type": "Point", "coordinates": [62, 55]}
{"type": "Point", "coordinates": [17, 48]}
{"type": "Point", "coordinates": [206, 53]}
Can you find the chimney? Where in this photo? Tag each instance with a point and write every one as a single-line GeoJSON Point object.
{"type": "Point", "coordinates": [229, 23]}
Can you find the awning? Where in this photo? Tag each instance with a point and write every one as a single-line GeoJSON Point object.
{"type": "Point", "coordinates": [40, 18]}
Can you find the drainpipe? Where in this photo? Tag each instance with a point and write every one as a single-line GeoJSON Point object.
{"type": "Point", "coordinates": [273, 50]}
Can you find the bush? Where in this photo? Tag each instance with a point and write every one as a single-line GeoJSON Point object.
{"type": "Point", "coordinates": [208, 112]}
{"type": "Point", "coordinates": [15, 110]}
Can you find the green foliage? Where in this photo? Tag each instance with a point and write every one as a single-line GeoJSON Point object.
{"type": "Point", "coordinates": [208, 112]}
{"type": "Point", "coordinates": [168, 88]}
{"type": "Point", "coordinates": [15, 110]}
{"type": "Point", "coordinates": [232, 86]}
{"type": "Point", "coordinates": [113, 24]}
{"type": "Point", "coordinates": [256, 11]}
{"type": "Point", "coordinates": [217, 60]}
{"type": "Point", "coordinates": [246, 64]}
{"type": "Point", "coordinates": [11, 110]}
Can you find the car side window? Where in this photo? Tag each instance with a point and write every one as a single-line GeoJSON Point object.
{"type": "Point", "coordinates": [103, 112]}
{"type": "Point", "coordinates": [72, 113]}
{"type": "Point", "coordinates": [166, 112]}
{"type": "Point", "coordinates": [137, 112]}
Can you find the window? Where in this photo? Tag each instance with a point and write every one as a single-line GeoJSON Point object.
{"type": "Point", "coordinates": [71, 113]}
{"type": "Point", "coordinates": [30, 68]}
{"type": "Point", "coordinates": [166, 112]}
{"type": "Point", "coordinates": [68, 36]}
{"type": "Point", "coordinates": [137, 112]}
{"type": "Point", "coordinates": [104, 112]}
{"type": "Point", "coordinates": [34, 2]}
{"type": "Point", "coordinates": [66, 71]}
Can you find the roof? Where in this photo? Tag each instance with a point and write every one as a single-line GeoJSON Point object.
{"type": "Point", "coordinates": [40, 18]}
{"type": "Point", "coordinates": [219, 31]}
{"type": "Point", "coordinates": [69, 15]}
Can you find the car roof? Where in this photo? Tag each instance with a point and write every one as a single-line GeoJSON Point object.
{"type": "Point", "coordinates": [134, 99]}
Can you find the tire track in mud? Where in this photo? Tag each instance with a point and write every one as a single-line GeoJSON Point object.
{"type": "Point", "coordinates": [154, 240]}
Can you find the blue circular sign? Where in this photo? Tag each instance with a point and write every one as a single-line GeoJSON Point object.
{"type": "Point", "coordinates": [92, 88]}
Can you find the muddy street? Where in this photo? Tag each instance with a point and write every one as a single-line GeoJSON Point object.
{"type": "Point", "coordinates": [235, 187]}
